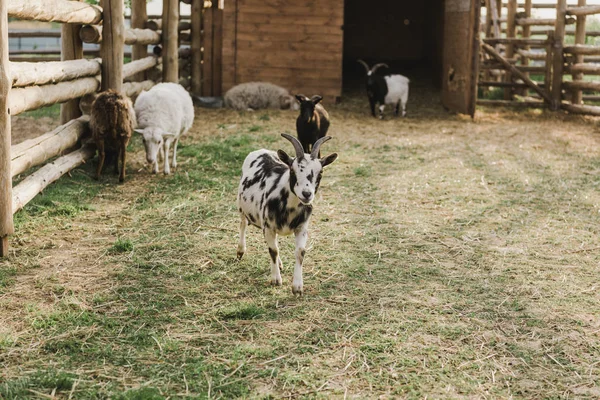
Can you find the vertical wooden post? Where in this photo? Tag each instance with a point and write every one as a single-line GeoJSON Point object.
{"type": "Point", "coordinates": [217, 50]}
{"type": "Point", "coordinates": [549, 58]}
{"type": "Point", "coordinates": [526, 34]}
{"type": "Point", "coordinates": [71, 49]}
{"type": "Point", "coordinates": [577, 96]}
{"type": "Point", "coordinates": [139, 15]}
{"type": "Point", "coordinates": [196, 45]}
{"type": "Point", "coordinates": [111, 48]}
{"type": "Point", "coordinates": [6, 216]}
{"type": "Point", "coordinates": [511, 32]}
{"type": "Point", "coordinates": [207, 54]}
{"type": "Point", "coordinates": [495, 17]}
{"type": "Point", "coordinates": [558, 56]}
{"type": "Point", "coordinates": [170, 33]}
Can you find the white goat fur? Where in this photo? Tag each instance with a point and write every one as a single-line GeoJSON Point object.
{"type": "Point", "coordinates": [164, 113]}
{"type": "Point", "coordinates": [259, 95]}
{"type": "Point", "coordinates": [398, 86]}
{"type": "Point", "coordinates": [275, 194]}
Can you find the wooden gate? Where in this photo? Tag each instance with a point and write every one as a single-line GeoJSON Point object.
{"type": "Point", "coordinates": [522, 54]}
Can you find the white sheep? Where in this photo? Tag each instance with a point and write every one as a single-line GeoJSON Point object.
{"type": "Point", "coordinates": [164, 113]}
{"type": "Point", "coordinates": [258, 95]}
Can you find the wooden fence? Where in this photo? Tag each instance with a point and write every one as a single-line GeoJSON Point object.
{"type": "Point", "coordinates": [74, 80]}
{"type": "Point", "coordinates": [516, 46]}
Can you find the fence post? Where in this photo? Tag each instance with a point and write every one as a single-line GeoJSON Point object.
{"type": "Point", "coordinates": [577, 97]}
{"type": "Point", "coordinates": [6, 215]}
{"type": "Point", "coordinates": [139, 15]}
{"type": "Point", "coordinates": [511, 32]}
{"type": "Point", "coordinates": [111, 48]}
{"type": "Point", "coordinates": [196, 45]}
{"type": "Point", "coordinates": [170, 34]}
{"type": "Point", "coordinates": [558, 57]}
{"type": "Point", "coordinates": [71, 49]}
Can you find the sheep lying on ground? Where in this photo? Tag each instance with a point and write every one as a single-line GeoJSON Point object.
{"type": "Point", "coordinates": [259, 95]}
{"type": "Point", "coordinates": [164, 113]}
{"type": "Point", "coordinates": [313, 121]}
{"type": "Point", "coordinates": [112, 121]}
{"type": "Point", "coordinates": [275, 195]}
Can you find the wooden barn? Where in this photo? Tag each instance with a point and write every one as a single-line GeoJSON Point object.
{"type": "Point", "coordinates": [312, 46]}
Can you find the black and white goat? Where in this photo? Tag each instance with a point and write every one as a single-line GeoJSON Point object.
{"type": "Point", "coordinates": [386, 89]}
{"type": "Point", "coordinates": [275, 194]}
{"type": "Point", "coordinates": [312, 123]}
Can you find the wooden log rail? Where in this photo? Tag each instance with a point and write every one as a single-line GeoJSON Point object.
{"type": "Point", "coordinates": [72, 12]}
{"type": "Point", "coordinates": [32, 97]}
{"type": "Point", "coordinates": [583, 10]}
{"type": "Point", "coordinates": [517, 42]}
{"type": "Point", "coordinates": [37, 33]}
{"type": "Point", "coordinates": [583, 50]}
{"type": "Point", "coordinates": [6, 219]}
{"type": "Point", "coordinates": [140, 65]}
{"type": "Point", "coordinates": [584, 68]}
{"type": "Point", "coordinates": [31, 186]}
{"type": "Point", "coordinates": [582, 85]}
{"type": "Point", "coordinates": [35, 151]}
{"type": "Point", "coordinates": [93, 34]}
{"type": "Point", "coordinates": [534, 5]}
{"type": "Point", "coordinates": [156, 25]}
{"type": "Point", "coordinates": [541, 22]}
{"type": "Point", "coordinates": [41, 73]}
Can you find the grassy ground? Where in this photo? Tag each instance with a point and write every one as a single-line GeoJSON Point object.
{"type": "Point", "coordinates": [448, 258]}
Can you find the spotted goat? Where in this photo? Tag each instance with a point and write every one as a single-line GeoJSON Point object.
{"type": "Point", "coordinates": [275, 194]}
{"type": "Point", "coordinates": [386, 89]}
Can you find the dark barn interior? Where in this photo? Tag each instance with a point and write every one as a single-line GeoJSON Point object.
{"type": "Point", "coordinates": [407, 35]}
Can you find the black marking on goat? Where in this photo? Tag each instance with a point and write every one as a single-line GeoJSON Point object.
{"type": "Point", "coordinates": [274, 185]}
{"type": "Point", "coordinates": [251, 218]}
{"type": "Point", "coordinates": [302, 253]}
{"type": "Point", "coordinates": [273, 254]}
{"type": "Point", "coordinates": [246, 183]}
{"type": "Point", "coordinates": [301, 218]}
{"type": "Point", "coordinates": [311, 176]}
{"type": "Point", "coordinates": [318, 182]}
{"type": "Point", "coordinates": [252, 198]}
{"type": "Point", "coordinates": [293, 179]}
{"type": "Point", "coordinates": [277, 209]}
{"type": "Point", "coordinates": [240, 209]}
{"type": "Point", "coordinates": [245, 199]}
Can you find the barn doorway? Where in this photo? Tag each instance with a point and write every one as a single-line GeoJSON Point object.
{"type": "Point", "coordinates": [412, 37]}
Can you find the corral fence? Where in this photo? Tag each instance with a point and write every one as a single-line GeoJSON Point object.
{"type": "Point", "coordinates": [186, 51]}
{"type": "Point", "coordinates": [531, 60]}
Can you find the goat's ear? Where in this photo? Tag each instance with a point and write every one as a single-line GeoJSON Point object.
{"type": "Point", "coordinates": [140, 131]}
{"type": "Point", "coordinates": [301, 98]}
{"type": "Point", "coordinates": [316, 99]}
{"type": "Point", "coordinates": [285, 158]}
{"type": "Point", "coordinates": [325, 161]}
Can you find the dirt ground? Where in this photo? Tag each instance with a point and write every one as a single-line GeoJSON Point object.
{"type": "Point", "coordinates": [450, 257]}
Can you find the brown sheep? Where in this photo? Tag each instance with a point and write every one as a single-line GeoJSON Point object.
{"type": "Point", "coordinates": [112, 121]}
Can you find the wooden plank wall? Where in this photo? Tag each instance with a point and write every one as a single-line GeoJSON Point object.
{"type": "Point", "coordinates": [297, 45]}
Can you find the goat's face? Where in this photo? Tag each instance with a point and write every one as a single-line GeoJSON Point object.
{"type": "Point", "coordinates": [153, 142]}
{"type": "Point", "coordinates": [305, 174]}
{"type": "Point", "coordinates": [307, 106]}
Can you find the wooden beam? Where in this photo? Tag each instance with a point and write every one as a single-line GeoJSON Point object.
{"type": "Point", "coordinates": [207, 25]}
{"type": "Point", "coordinates": [31, 186]}
{"type": "Point", "coordinates": [170, 42]}
{"type": "Point", "coordinates": [138, 66]}
{"type": "Point", "coordinates": [579, 109]}
{"type": "Point", "coordinates": [517, 42]}
{"type": "Point", "coordinates": [32, 97]}
{"type": "Point", "coordinates": [196, 45]}
{"type": "Point", "coordinates": [558, 60]}
{"type": "Point", "coordinates": [35, 33]}
{"type": "Point", "coordinates": [583, 68]}
{"type": "Point", "coordinates": [139, 15]}
{"type": "Point", "coordinates": [111, 49]}
{"type": "Point", "coordinates": [144, 37]}
{"type": "Point", "coordinates": [511, 103]}
{"type": "Point", "coordinates": [71, 49]}
{"type": "Point", "coordinates": [583, 50]}
{"type": "Point", "coordinates": [6, 219]}
{"type": "Point", "coordinates": [516, 72]}
{"type": "Point", "coordinates": [35, 151]}
{"type": "Point", "coordinates": [72, 12]}
{"type": "Point", "coordinates": [579, 40]}
{"type": "Point", "coordinates": [509, 51]}
{"type": "Point", "coordinates": [583, 10]}
{"type": "Point", "coordinates": [582, 85]}
{"type": "Point", "coordinates": [41, 73]}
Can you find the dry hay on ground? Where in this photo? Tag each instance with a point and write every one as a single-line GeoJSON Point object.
{"type": "Point", "coordinates": [448, 258]}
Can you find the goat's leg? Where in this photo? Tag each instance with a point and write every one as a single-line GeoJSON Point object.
{"type": "Point", "coordinates": [404, 100]}
{"type": "Point", "coordinates": [397, 109]}
{"type": "Point", "coordinates": [297, 282]}
{"type": "Point", "coordinates": [271, 238]}
{"type": "Point", "coordinates": [372, 104]}
{"type": "Point", "coordinates": [101, 157]}
{"type": "Point", "coordinates": [123, 156]}
{"type": "Point", "coordinates": [242, 244]}
{"type": "Point", "coordinates": [167, 144]}
{"type": "Point", "coordinates": [381, 110]}
{"type": "Point", "coordinates": [174, 162]}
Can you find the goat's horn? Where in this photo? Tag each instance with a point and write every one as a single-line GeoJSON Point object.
{"type": "Point", "coordinates": [364, 64]}
{"type": "Point", "coordinates": [376, 66]}
{"type": "Point", "coordinates": [315, 150]}
{"type": "Point", "coordinates": [296, 143]}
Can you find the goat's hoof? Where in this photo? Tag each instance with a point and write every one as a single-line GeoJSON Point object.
{"type": "Point", "coordinates": [297, 290]}
{"type": "Point", "coordinates": [381, 117]}
{"type": "Point", "coordinates": [240, 254]}
{"type": "Point", "coordinates": [276, 281]}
